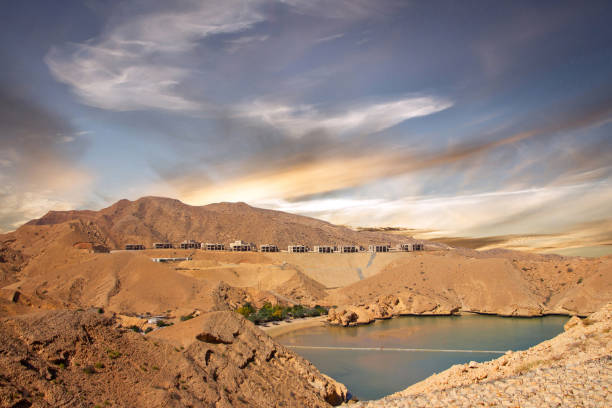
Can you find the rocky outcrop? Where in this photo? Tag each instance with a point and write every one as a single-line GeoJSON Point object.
{"type": "Point", "coordinates": [386, 307]}
{"type": "Point", "coordinates": [72, 358]}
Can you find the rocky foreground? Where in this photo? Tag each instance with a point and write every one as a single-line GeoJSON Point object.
{"type": "Point", "coordinates": [573, 369]}
{"type": "Point", "coordinates": [82, 359]}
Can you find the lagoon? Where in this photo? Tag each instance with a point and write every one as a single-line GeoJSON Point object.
{"type": "Point", "coordinates": [382, 365]}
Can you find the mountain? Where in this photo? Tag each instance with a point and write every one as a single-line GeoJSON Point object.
{"type": "Point", "coordinates": [155, 219]}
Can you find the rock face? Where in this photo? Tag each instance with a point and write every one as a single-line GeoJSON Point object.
{"type": "Point", "coordinates": [446, 282]}
{"type": "Point", "coordinates": [386, 307]}
{"type": "Point", "coordinates": [572, 369]}
{"type": "Point", "coordinates": [72, 358]}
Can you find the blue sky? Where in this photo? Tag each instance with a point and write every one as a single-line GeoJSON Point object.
{"type": "Point", "coordinates": [471, 119]}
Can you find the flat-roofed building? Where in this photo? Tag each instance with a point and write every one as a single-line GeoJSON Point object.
{"type": "Point", "coordinates": [379, 248]}
{"type": "Point", "coordinates": [418, 247]}
{"type": "Point", "coordinates": [213, 247]}
{"type": "Point", "coordinates": [163, 245]}
{"type": "Point", "coordinates": [348, 249]}
{"type": "Point", "coordinates": [134, 247]}
{"type": "Point", "coordinates": [297, 248]}
{"type": "Point", "coordinates": [241, 246]}
{"type": "Point", "coordinates": [268, 248]}
{"type": "Point", "coordinates": [324, 249]}
{"type": "Point", "coordinates": [405, 247]}
{"type": "Point", "coordinates": [191, 244]}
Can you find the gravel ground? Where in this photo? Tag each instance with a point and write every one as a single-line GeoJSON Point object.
{"type": "Point", "coordinates": [582, 385]}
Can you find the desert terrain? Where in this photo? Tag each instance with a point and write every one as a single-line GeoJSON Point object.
{"type": "Point", "coordinates": [69, 293]}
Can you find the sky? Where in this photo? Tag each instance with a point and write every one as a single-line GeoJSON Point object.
{"type": "Point", "coordinates": [471, 119]}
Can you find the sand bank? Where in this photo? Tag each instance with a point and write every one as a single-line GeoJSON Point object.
{"type": "Point", "coordinates": [274, 330]}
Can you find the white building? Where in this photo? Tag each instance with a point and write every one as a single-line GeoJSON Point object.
{"type": "Point", "coordinates": [268, 248]}
{"type": "Point", "coordinates": [163, 245]}
{"type": "Point", "coordinates": [213, 247]}
{"type": "Point", "coordinates": [379, 248]}
{"type": "Point", "coordinates": [347, 249]}
{"type": "Point", "coordinates": [324, 249]}
{"type": "Point", "coordinates": [191, 244]}
{"type": "Point", "coordinates": [241, 246]}
{"type": "Point", "coordinates": [297, 248]}
{"type": "Point", "coordinates": [405, 248]}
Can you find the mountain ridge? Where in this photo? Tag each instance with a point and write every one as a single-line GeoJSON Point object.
{"type": "Point", "coordinates": [156, 219]}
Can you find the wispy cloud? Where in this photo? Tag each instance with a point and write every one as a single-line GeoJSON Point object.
{"type": "Point", "coordinates": [299, 120]}
{"type": "Point", "coordinates": [329, 38]}
{"type": "Point", "coordinates": [137, 65]}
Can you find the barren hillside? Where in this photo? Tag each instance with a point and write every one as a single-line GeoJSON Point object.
{"type": "Point", "coordinates": [80, 358]}
{"type": "Point", "coordinates": [155, 219]}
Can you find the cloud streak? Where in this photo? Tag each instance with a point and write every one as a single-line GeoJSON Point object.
{"type": "Point", "coordinates": [136, 64]}
{"type": "Point", "coordinates": [297, 121]}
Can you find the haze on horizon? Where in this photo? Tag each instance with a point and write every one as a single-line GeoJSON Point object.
{"type": "Point", "coordinates": [478, 119]}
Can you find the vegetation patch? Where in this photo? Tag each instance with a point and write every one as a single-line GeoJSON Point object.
{"type": "Point", "coordinates": [187, 317]}
{"type": "Point", "coordinates": [269, 313]}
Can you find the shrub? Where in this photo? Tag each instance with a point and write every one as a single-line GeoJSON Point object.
{"type": "Point", "coordinates": [112, 354]}
{"type": "Point", "coordinates": [246, 310]}
{"type": "Point", "coordinates": [161, 323]}
{"type": "Point", "coordinates": [579, 281]}
{"type": "Point", "coordinates": [89, 370]}
{"type": "Point", "coordinates": [148, 330]}
{"type": "Point", "coordinates": [99, 366]}
{"type": "Point", "coordinates": [135, 328]}
{"type": "Point", "coordinates": [187, 317]}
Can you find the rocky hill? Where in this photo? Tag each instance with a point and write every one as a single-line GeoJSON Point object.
{"type": "Point", "coordinates": [450, 282]}
{"type": "Point", "coordinates": [80, 358]}
{"type": "Point", "coordinates": [155, 219]}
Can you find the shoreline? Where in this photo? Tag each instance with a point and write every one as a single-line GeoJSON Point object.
{"type": "Point", "coordinates": [284, 327]}
{"type": "Point", "coordinates": [458, 313]}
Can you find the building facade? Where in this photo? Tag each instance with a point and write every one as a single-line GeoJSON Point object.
{"type": "Point", "coordinates": [297, 248]}
{"type": "Point", "coordinates": [213, 247]}
{"type": "Point", "coordinates": [379, 248]}
{"type": "Point", "coordinates": [348, 249]}
{"type": "Point", "coordinates": [241, 246]}
{"type": "Point", "coordinates": [191, 244]}
{"type": "Point", "coordinates": [324, 249]}
{"type": "Point", "coordinates": [268, 248]}
{"type": "Point", "coordinates": [163, 245]}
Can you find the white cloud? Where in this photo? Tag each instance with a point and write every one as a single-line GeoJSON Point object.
{"type": "Point", "coordinates": [329, 38]}
{"type": "Point", "coordinates": [530, 211]}
{"type": "Point", "coordinates": [135, 65]}
{"type": "Point", "coordinates": [366, 118]}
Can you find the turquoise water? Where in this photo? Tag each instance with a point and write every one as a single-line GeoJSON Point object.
{"type": "Point", "coordinates": [372, 374]}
